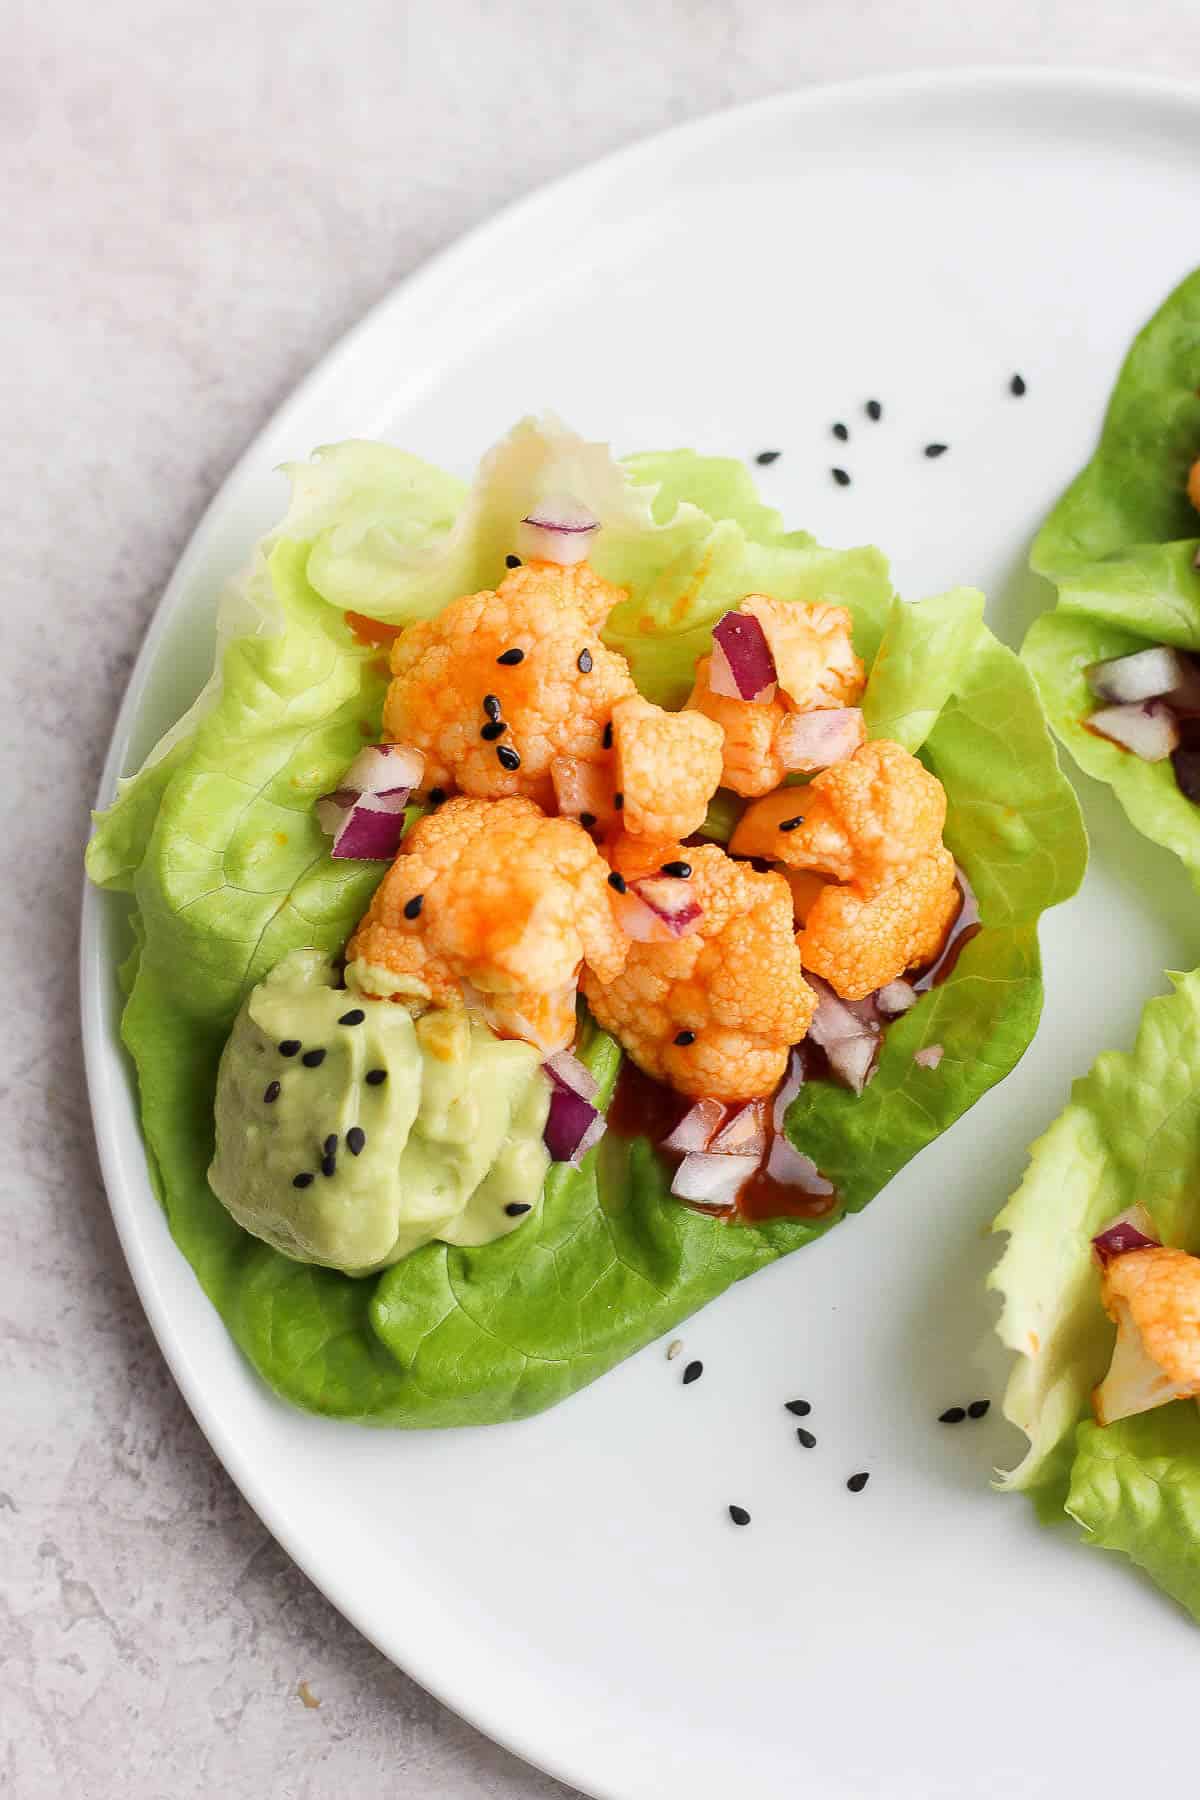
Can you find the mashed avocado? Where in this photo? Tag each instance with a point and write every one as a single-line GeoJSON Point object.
{"type": "Point", "coordinates": [349, 1134]}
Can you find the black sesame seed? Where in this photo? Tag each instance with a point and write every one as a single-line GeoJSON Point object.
{"type": "Point", "coordinates": [271, 1093]}
{"type": "Point", "coordinates": [766, 457]}
{"type": "Point", "coordinates": [607, 738]}
{"type": "Point", "coordinates": [693, 1372]}
{"type": "Point", "coordinates": [1017, 385]}
{"type": "Point", "coordinates": [806, 1437]}
{"type": "Point", "coordinates": [511, 561]}
{"type": "Point", "coordinates": [289, 1046]}
{"type": "Point", "coordinates": [511, 658]}
{"type": "Point", "coordinates": [873, 410]}
{"type": "Point", "coordinates": [841, 433]}
{"type": "Point", "coordinates": [412, 908]}
{"type": "Point", "coordinates": [355, 1016]}
{"type": "Point", "coordinates": [492, 706]}
{"type": "Point", "coordinates": [680, 870]}
{"type": "Point", "coordinates": [739, 1515]}
{"type": "Point", "coordinates": [953, 1415]}
{"type": "Point", "coordinates": [936, 449]}
{"type": "Point", "coordinates": [841, 477]}
{"type": "Point", "coordinates": [302, 1181]}
{"type": "Point", "coordinates": [587, 820]}
{"type": "Point", "coordinates": [792, 824]}
{"type": "Point", "coordinates": [330, 1144]}
{"type": "Point", "coordinates": [616, 882]}
{"type": "Point", "coordinates": [515, 1208]}
{"type": "Point", "coordinates": [978, 1408]}
{"type": "Point", "coordinates": [508, 757]}
{"type": "Point", "coordinates": [801, 1408]}
{"type": "Point", "coordinates": [584, 662]}
{"type": "Point", "coordinates": [760, 865]}
{"type": "Point", "coordinates": [329, 1164]}
{"type": "Point", "coordinates": [376, 1077]}
{"type": "Point", "coordinates": [312, 1059]}
{"type": "Point", "coordinates": [496, 729]}
{"type": "Point", "coordinates": [618, 802]}
{"type": "Point", "coordinates": [684, 1038]}
{"type": "Point", "coordinates": [437, 797]}
{"type": "Point", "coordinates": [356, 1137]}
{"type": "Point", "coordinates": [858, 1482]}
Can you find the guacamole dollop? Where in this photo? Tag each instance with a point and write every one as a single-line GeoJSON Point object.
{"type": "Point", "coordinates": [349, 1134]}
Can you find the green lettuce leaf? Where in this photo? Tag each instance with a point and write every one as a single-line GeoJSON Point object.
{"type": "Point", "coordinates": [1130, 1133]}
{"type": "Point", "coordinates": [1135, 1488]}
{"type": "Point", "coordinates": [1134, 489]}
{"type": "Point", "coordinates": [229, 872]}
{"type": "Point", "coordinates": [1120, 546]}
{"type": "Point", "coordinates": [922, 657]}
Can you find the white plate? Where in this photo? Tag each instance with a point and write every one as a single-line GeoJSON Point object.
{"type": "Point", "coordinates": [573, 1584]}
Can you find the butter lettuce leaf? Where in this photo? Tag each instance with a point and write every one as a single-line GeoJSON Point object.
{"type": "Point", "coordinates": [1135, 1488]}
{"type": "Point", "coordinates": [229, 872]}
{"type": "Point", "coordinates": [1130, 1133]}
{"type": "Point", "coordinates": [1120, 547]}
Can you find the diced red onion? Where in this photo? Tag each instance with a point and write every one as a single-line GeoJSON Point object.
{"type": "Point", "coordinates": [1148, 728]}
{"type": "Point", "coordinates": [368, 830]}
{"type": "Point", "coordinates": [696, 1127]}
{"type": "Point", "coordinates": [930, 1056]}
{"type": "Point", "coordinates": [1143, 675]}
{"type": "Point", "coordinates": [569, 1072]}
{"type": "Point", "coordinates": [385, 769]}
{"type": "Point", "coordinates": [559, 529]}
{"type": "Point", "coordinates": [656, 910]}
{"type": "Point", "coordinates": [789, 1087]}
{"type": "Point", "coordinates": [712, 1180]}
{"type": "Point", "coordinates": [365, 814]}
{"type": "Point", "coordinates": [816, 740]}
{"type": "Point", "coordinates": [673, 901]}
{"type": "Point", "coordinates": [850, 1043]}
{"type": "Point", "coordinates": [1130, 1230]}
{"type": "Point", "coordinates": [791, 1168]}
{"type": "Point", "coordinates": [743, 667]}
{"type": "Point", "coordinates": [895, 997]}
{"type": "Point", "coordinates": [745, 1134]}
{"type": "Point", "coordinates": [573, 1125]}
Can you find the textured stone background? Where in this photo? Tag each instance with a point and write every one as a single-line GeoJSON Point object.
{"type": "Point", "coordinates": [195, 201]}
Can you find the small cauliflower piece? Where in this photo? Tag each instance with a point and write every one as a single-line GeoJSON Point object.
{"type": "Point", "coordinates": [761, 829]}
{"type": "Point", "coordinates": [713, 1013]}
{"type": "Point", "coordinates": [868, 820]}
{"type": "Point", "coordinates": [750, 764]}
{"type": "Point", "coordinates": [668, 767]}
{"type": "Point", "coordinates": [859, 945]}
{"type": "Point", "coordinates": [813, 647]}
{"type": "Point", "coordinates": [1153, 1298]}
{"type": "Point", "coordinates": [494, 895]}
{"type": "Point", "coordinates": [454, 697]}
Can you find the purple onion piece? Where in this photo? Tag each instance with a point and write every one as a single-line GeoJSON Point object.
{"type": "Point", "coordinates": [1131, 1230]}
{"type": "Point", "coordinates": [805, 742]}
{"type": "Point", "coordinates": [712, 1180]}
{"type": "Point", "coordinates": [1148, 728]}
{"type": "Point", "coordinates": [567, 1071]}
{"type": "Point", "coordinates": [370, 833]}
{"type": "Point", "coordinates": [696, 1127]}
{"type": "Point", "coordinates": [1143, 675]}
{"type": "Point", "coordinates": [791, 1168]}
{"type": "Point", "coordinates": [571, 1125]}
{"type": "Point", "coordinates": [743, 643]}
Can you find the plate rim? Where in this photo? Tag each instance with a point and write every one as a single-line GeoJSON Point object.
{"type": "Point", "coordinates": [125, 1189]}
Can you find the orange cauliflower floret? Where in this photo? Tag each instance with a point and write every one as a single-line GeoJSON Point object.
{"type": "Point", "coordinates": [858, 945]}
{"type": "Point", "coordinates": [475, 715]}
{"type": "Point", "coordinates": [668, 766]}
{"type": "Point", "coordinates": [1153, 1298]}
{"type": "Point", "coordinates": [494, 894]}
{"type": "Point", "coordinates": [813, 648]}
{"type": "Point", "coordinates": [868, 820]}
{"type": "Point", "coordinates": [750, 764]}
{"type": "Point", "coordinates": [714, 1012]}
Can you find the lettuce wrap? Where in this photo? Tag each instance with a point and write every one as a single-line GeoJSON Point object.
{"type": "Point", "coordinates": [1120, 547]}
{"type": "Point", "coordinates": [216, 842]}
